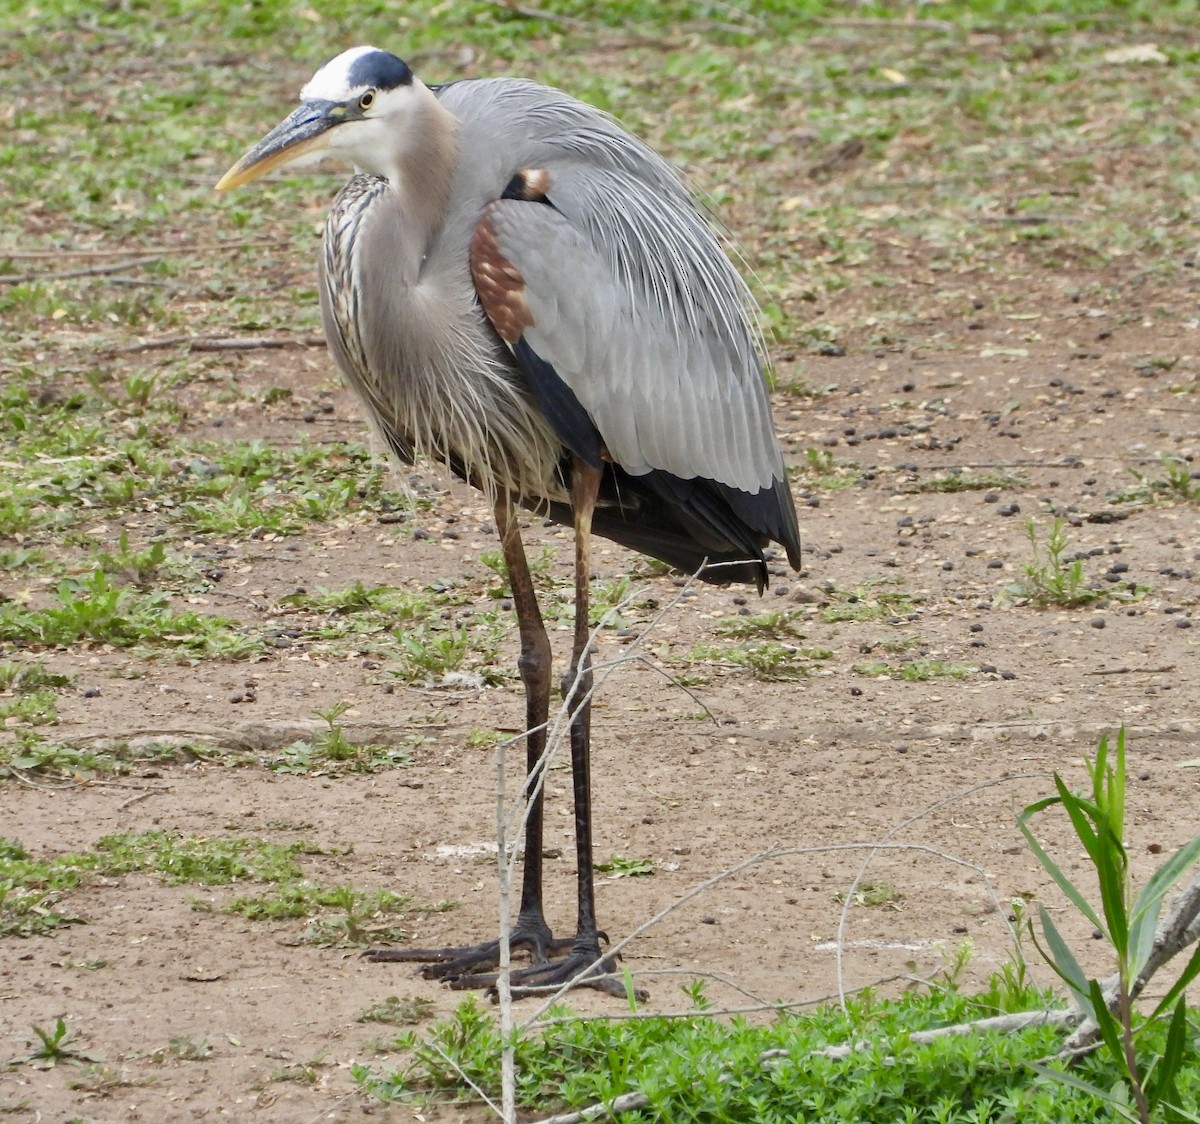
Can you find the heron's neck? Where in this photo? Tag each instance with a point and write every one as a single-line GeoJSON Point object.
{"type": "Point", "coordinates": [422, 170]}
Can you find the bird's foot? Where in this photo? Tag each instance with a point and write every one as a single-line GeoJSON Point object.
{"type": "Point", "coordinates": [583, 966]}
{"type": "Point", "coordinates": [532, 937]}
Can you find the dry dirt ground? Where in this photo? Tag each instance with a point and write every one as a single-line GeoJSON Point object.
{"type": "Point", "coordinates": [696, 781]}
{"type": "Point", "coordinates": [1029, 381]}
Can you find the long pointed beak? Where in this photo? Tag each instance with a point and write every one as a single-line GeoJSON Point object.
{"type": "Point", "coordinates": [302, 133]}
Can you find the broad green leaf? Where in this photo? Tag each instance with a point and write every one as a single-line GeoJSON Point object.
{"type": "Point", "coordinates": [1182, 981]}
{"type": "Point", "coordinates": [1162, 1087]}
{"type": "Point", "coordinates": [1063, 961]}
{"type": "Point", "coordinates": [1064, 883]}
{"type": "Point", "coordinates": [1110, 1029]}
{"type": "Point", "coordinates": [1142, 929]}
{"type": "Point", "coordinates": [1168, 874]}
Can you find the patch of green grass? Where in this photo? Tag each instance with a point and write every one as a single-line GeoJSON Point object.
{"type": "Point", "coordinates": [866, 603]}
{"type": "Point", "coordinates": [96, 611]}
{"type": "Point", "coordinates": [916, 671]}
{"type": "Point", "coordinates": [1052, 578]}
{"type": "Point", "coordinates": [540, 568]}
{"type": "Point", "coordinates": [197, 860]}
{"type": "Point", "coordinates": [821, 470]}
{"type": "Point", "coordinates": [304, 1072]}
{"type": "Point", "coordinates": [742, 1073]}
{"type": "Point", "coordinates": [393, 1011]}
{"type": "Point", "coordinates": [772, 626]}
{"type": "Point", "coordinates": [1177, 483]}
{"type": "Point", "coordinates": [435, 655]}
{"type": "Point", "coordinates": [28, 694]}
{"type": "Point", "coordinates": [35, 708]}
{"type": "Point", "coordinates": [339, 916]}
{"type": "Point", "coordinates": [23, 678]}
{"type": "Point", "coordinates": [966, 481]}
{"type": "Point", "coordinates": [55, 1046]}
{"type": "Point", "coordinates": [770, 660]}
{"type": "Point", "coordinates": [330, 752]}
{"type": "Point", "coordinates": [873, 893]}
{"type": "Point", "coordinates": [393, 604]}
{"type": "Point", "coordinates": [29, 752]}
{"type": "Point", "coordinates": [617, 866]}
{"type": "Point", "coordinates": [30, 890]}
{"type": "Point", "coordinates": [183, 1048]}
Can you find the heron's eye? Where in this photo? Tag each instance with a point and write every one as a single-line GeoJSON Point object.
{"type": "Point", "coordinates": [367, 100]}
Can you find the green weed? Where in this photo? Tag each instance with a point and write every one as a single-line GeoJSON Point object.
{"type": "Point", "coordinates": [618, 867]}
{"type": "Point", "coordinates": [1128, 923]}
{"type": "Point", "coordinates": [54, 1046]}
{"type": "Point", "coordinates": [1052, 578]}
{"type": "Point", "coordinates": [330, 752]}
{"type": "Point", "coordinates": [866, 603]}
{"type": "Point", "coordinates": [965, 481]}
{"type": "Point", "coordinates": [915, 671]}
{"type": "Point", "coordinates": [95, 611]}
{"type": "Point", "coordinates": [771, 660]}
{"type": "Point", "coordinates": [1177, 484]}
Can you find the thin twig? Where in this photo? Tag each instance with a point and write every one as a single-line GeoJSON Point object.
{"type": "Point", "coordinates": [88, 271]}
{"type": "Point", "coordinates": [862, 870]}
{"type": "Point", "coordinates": [713, 1012]}
{"type": "Point", "coordinates": [1132, 670]}
{"type": "Point", "coordinates": [149, 251]}
{"type": "Point", "coordinates": [30, 783]}
{"type": "Point", "coordinates": [746, 864]}
{"type": "Point", "coordinates": [221, 343]}
{"type": "Point", "coordinates": [866, 23]}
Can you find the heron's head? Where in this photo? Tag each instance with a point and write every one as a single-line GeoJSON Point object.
{"type": "Point", "coordinates": [350, 107]}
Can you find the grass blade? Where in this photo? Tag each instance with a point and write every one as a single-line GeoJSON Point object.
{"type": "Point", "coordinates": [1063, 961]}
{"type": "Point", "coordinates": [1051, 867]}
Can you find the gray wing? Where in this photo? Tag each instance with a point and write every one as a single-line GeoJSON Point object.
{"type": "Point", "coordinates": [617, 285]}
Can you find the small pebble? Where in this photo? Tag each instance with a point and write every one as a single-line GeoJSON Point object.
{"type": "Point", "coordinates": [1098, 622]}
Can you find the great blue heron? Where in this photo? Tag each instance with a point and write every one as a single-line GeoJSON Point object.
{"type": "Point", "coordinates": [517, 288]}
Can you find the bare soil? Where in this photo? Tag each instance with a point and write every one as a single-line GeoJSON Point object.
{"type": "Point", "coordinates": [836, 760]}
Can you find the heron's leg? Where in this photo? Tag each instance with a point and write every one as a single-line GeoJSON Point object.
{"type": "Point", "coordinates": [530, 932]}
{"type": "Point", "coordinates": [584, 965]}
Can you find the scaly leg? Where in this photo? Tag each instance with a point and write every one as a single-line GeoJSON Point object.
{"type": "Point", "coordinates": [584, 950]}
{"type": "Point", "coordinates": [530, 933]}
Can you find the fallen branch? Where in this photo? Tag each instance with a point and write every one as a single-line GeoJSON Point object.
{"type": "Point", "coordinates": [221, 343]}
{"type": "Point", "coordinates": [88, 271]}
{"type": "Point", "coordinates": [149, 251]}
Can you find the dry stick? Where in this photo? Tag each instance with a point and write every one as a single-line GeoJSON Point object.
{"type": "Point", "coordinates": [505, 869]}
{"type": "Point", "coordinates": [220, 343]}
{"type": "Point", "coordinates": [90, 271]}
{"type": "Point", "coordinates": [718, 1012]}
{"type": "Point", "coordinates": [149, 251]}
{"type": "Point", "coordinates": [507, 858]}
{"type": "Point", "coordinates": [753, 860]}
{"type": "Point", "coordinates": [862, 870]}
